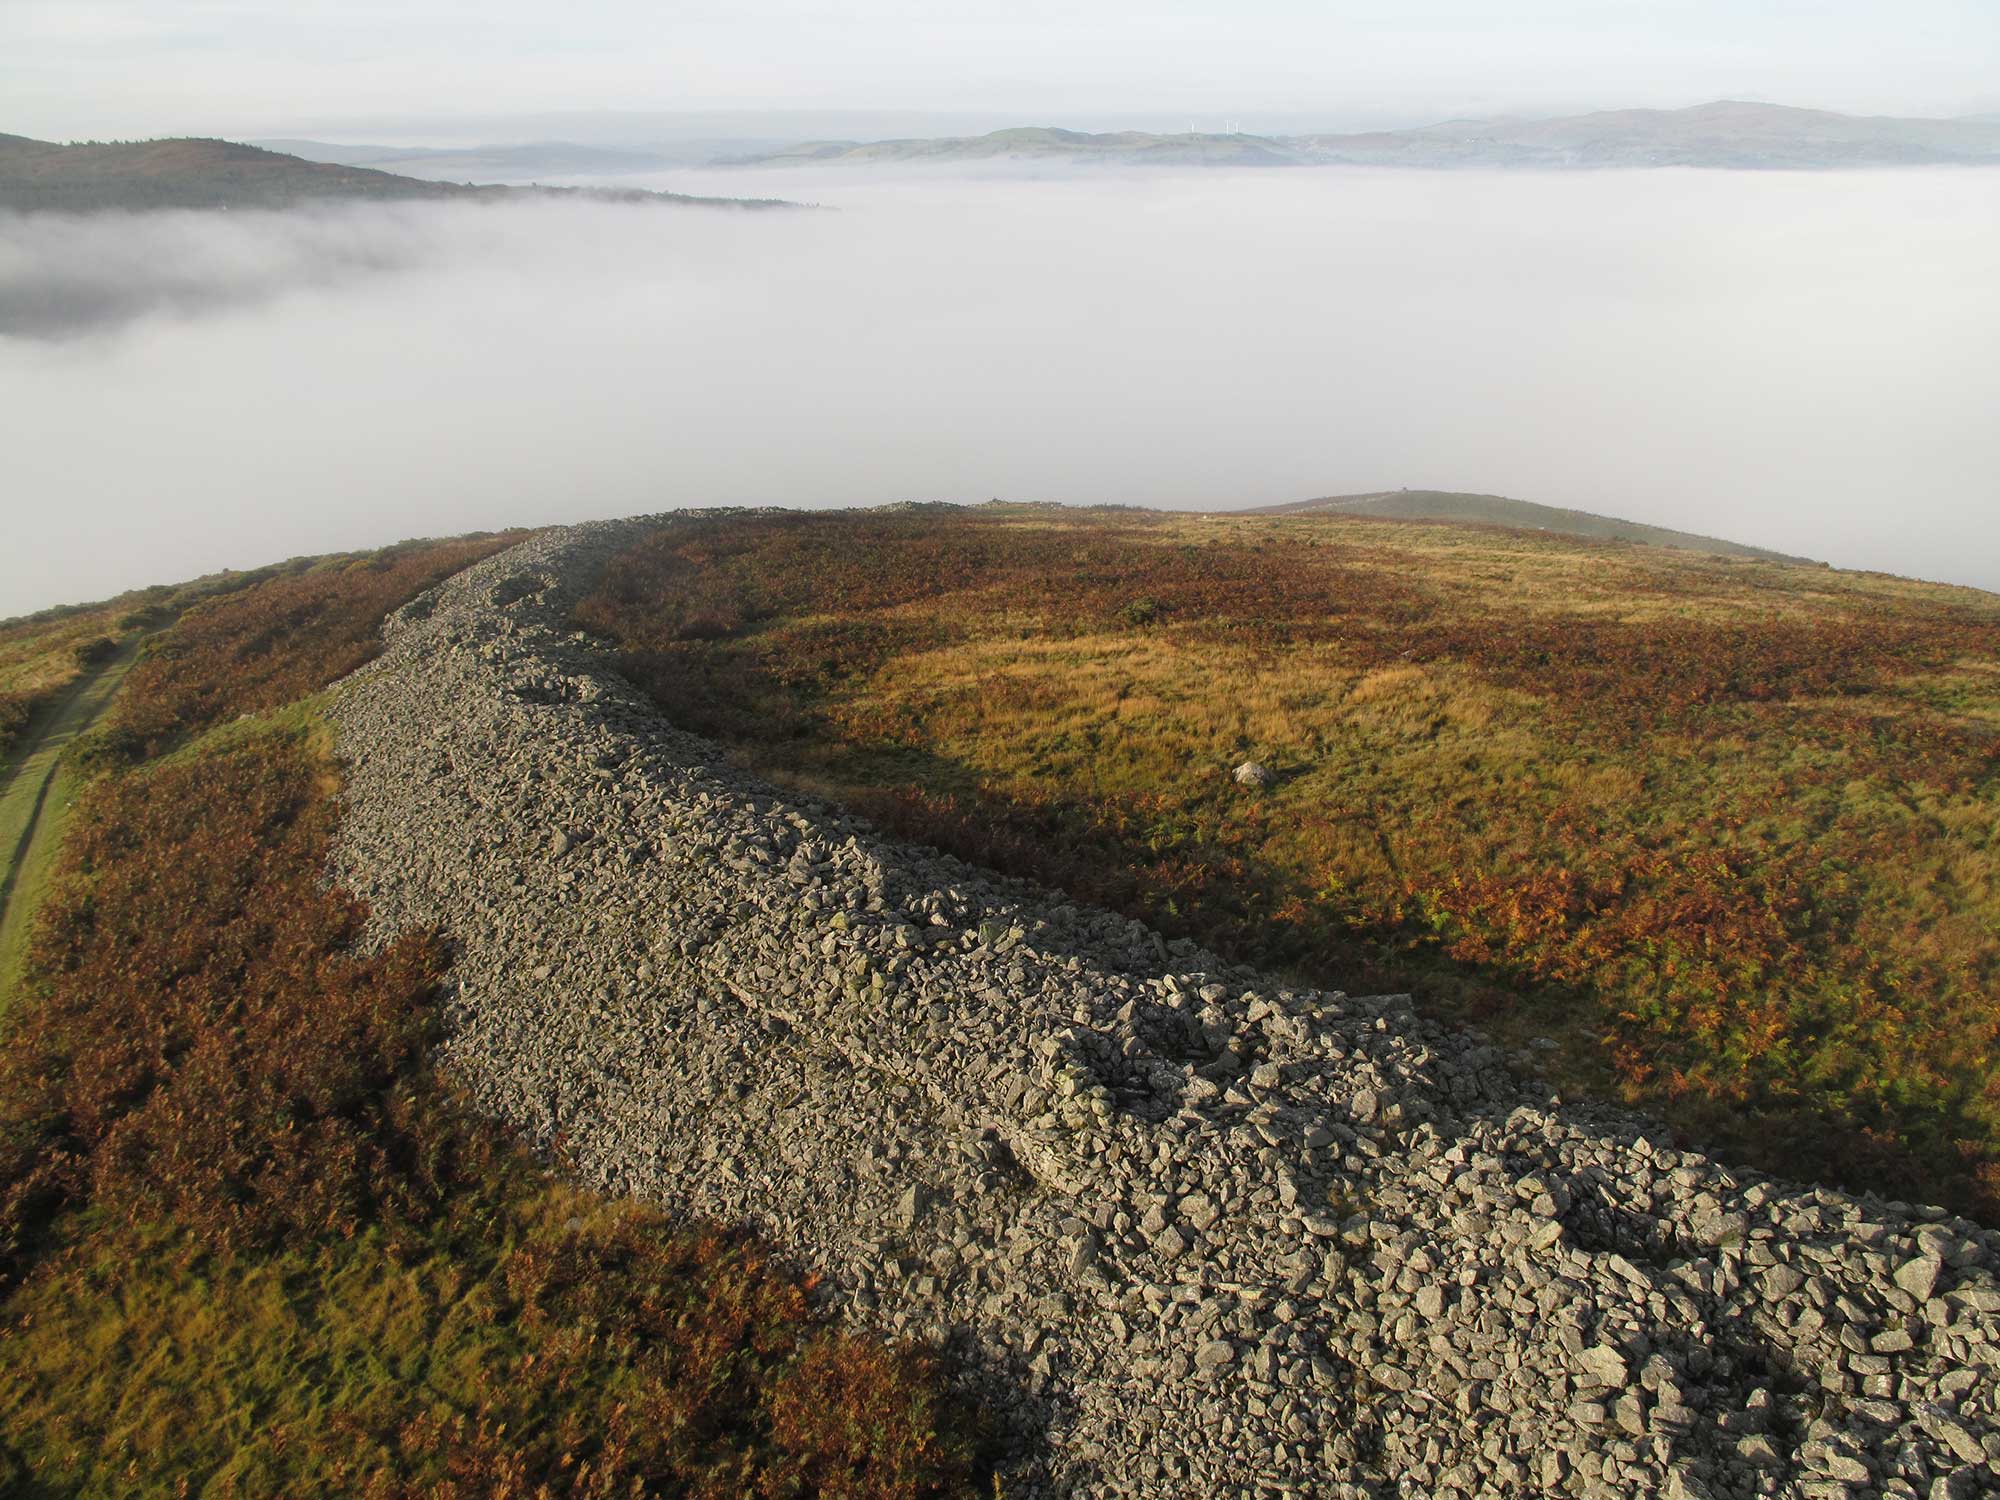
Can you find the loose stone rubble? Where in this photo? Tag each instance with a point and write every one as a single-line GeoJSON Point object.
{"type": "Point", "coordinates": [1188, 1231]}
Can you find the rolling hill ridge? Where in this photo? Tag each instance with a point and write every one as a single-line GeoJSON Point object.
{"type": "Point", "coordinates": [1725, 134]}
{"type": "Point", "coordinates": [216, 174]}
{"type": "Point", "coordinates": [1525, 515]}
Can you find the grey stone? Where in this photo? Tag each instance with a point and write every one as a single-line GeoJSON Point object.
{"type": "Point", "coordinates": [1083, 1154]}
{"type": "Point", "coordinates": [1214, 1354]}
{"type": "Point", "coordinates": [1943, 1423]}
{"type": "Point", "coordinates": [1919, 1276]}
{"type": "Point", "coordinates": [1604, 1365]}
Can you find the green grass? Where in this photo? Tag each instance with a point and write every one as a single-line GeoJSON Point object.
{"type": "Point", "coordinates": [35, 801]}
{"type": "Point", "coordinates": [455, 1360]}
{"type": "Point", "coordinates": [155, 1362]}
{"type": "Point", "coordinates": [40, 659]}
{"type": "Point", "coordinates": [1726, 831]}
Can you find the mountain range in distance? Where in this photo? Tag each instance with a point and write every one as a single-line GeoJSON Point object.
{"type": "Point", "coordinates": [278, 172]}
{"type": "Point", "coordinates": [214, 174]}
{"type": "Point", "coordinates": [1727, 134]}
{"type": "Point", "coordinates": [1519, 515]}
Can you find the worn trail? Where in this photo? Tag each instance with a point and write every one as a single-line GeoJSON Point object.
{"type": "Point", "coordinates": [31, 809]}
{"type": "Point", "coordinates": [1189, 1230]}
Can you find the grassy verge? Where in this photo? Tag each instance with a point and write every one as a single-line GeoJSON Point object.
{"type": "Point", "coordinates": [41, 659]}
{"type": "Point", "coordinates": [1725, 833]}
{"type": "Point", "coordinates": [34, 806]}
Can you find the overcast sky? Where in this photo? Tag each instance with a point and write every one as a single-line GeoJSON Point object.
{"type": "Point", "coordinates": [74, 68]}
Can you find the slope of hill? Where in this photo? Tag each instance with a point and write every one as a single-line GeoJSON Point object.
{"type": "Point", "coordinates": [1526, 515]}
{"type": "Point", "coordinates": [1724, 134]}
{"type": "Point", "coordinates": [211, 174]}
{"type": "Point", "coordinates": [1722, 836]}
{"type": "Point", "coordinates": [224, 1141]}
{"type": "Point", "coordinates": [185, 174]}
{"type": "Point", "coordinates": [1212, 1231]}
{"type": "Point", "coordinates": [41, 658]}
{"type": "Point", "coordinates": [1179, 1225]}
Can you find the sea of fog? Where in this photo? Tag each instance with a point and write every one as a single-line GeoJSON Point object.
{"type": "Point", "coordinates": [1806, 361]}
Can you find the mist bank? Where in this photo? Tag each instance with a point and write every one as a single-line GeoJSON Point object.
{"type": "Point", "coordinates": [65, 276]}
{"type": "Point", "coordinates": [1733, 134]}
{"type": "Point", "coordinates": [1802, 363]}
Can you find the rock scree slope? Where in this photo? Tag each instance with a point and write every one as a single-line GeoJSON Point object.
{"type": "Point", "coordinates": [1187, 1230]}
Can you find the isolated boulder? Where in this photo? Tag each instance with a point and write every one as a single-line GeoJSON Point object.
{"type": "Point", "coordinates": [1252, 774]}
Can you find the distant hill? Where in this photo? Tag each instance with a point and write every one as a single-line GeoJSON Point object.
{"type": "Point", "coordinates": [215, 174]}
{"type": "Point", "coordinates": [1525, 515]}
{"type": "Point", "coordinates": [479, 163]}
{"type": "Point", "coordinates": [1730, 133]}
{"type": "Point", "coordinates": [185, 173]}
{"type": "Point", "coordinates": [1726, 134]}
{"type": "Point", "coordinates": [1044, 143]}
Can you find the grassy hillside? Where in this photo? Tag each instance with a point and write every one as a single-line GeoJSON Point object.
{"type": "Point", "coordinates": [36, 795]}
{"type": "Point", "coordinates": [43, 653]}
{"type": "Point", "coordinates": [251, 1243]}
{"type": "Point", "coordinates": [1524, 515]}
{"type": "Point", "coordinates": [205, 174]}
{"type": "Point", "coordinates": [41, 657]}
{"type": "Point", "coordinates": [304, 624]}
{"type": "Point", "coordinates": [1711, 835]}
{"type": "Point", "coordinates": [186, 174]}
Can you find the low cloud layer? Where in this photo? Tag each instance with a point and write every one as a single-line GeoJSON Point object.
{"type": "Point", "coordinates": [1806, 362]}
{"type": "Point", "coordinates": [65, 276]}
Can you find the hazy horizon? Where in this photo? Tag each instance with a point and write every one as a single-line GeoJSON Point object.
{"type": "Point", "coordinates": [105, 68]}
{"type": "Point", "coordinates": [1805, 363]}
{"type": "Point", "coordinates": [639, 129]}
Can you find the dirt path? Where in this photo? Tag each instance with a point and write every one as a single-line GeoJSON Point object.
{"type": "Point", "coordinates": [34, 805]}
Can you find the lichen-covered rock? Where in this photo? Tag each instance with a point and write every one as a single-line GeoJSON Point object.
{"type": "Point", "coordinates": [1190, 1231]}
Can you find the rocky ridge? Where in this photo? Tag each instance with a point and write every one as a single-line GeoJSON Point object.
{"type": "Point", "coordinates": [1188, 1230]}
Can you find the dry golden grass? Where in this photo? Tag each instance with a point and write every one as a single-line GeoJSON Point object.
{"type": "Point", "coordinates": [251, 1244]}
{"type": "Point", "coordinates": [39, 659]}
{"type": "Point", "coordinates": [1724, 829]}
